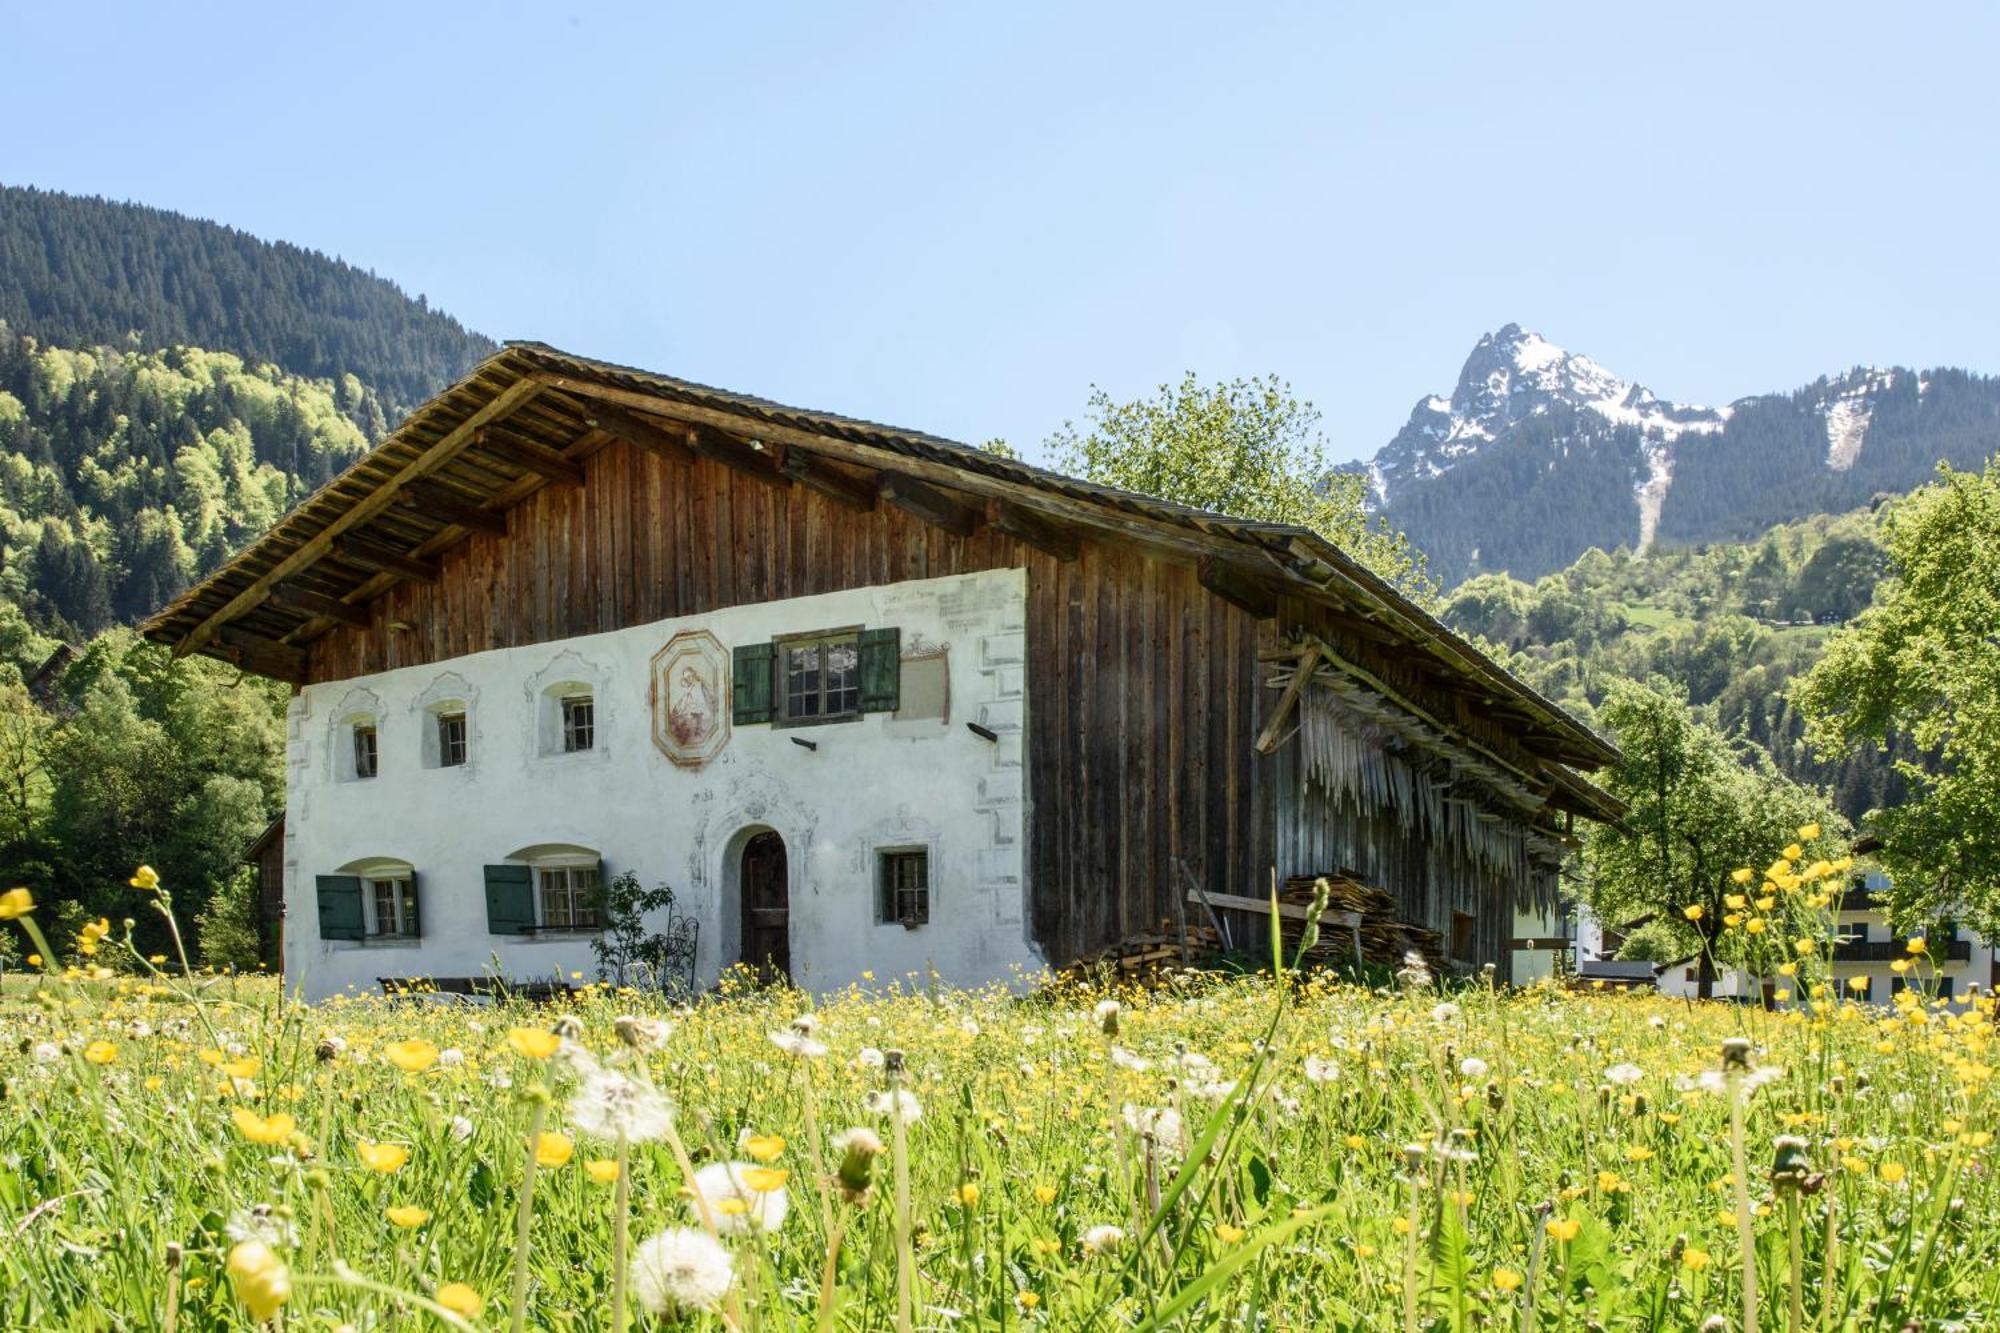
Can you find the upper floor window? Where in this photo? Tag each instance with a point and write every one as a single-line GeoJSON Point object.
{"type": "Point", "coordinates": [579, 723]}
{"type": "Point", "coordinates": [366, 750]}
{"type": "Point", "coordinates": [451, 739]}
{"type": "Point", "coordinates": [825, 676]}
{"type": "Point", "coordinates": [822, 677]}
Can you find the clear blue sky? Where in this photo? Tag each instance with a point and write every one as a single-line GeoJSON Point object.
{"type": "Point", "coordinates": [959, 217]}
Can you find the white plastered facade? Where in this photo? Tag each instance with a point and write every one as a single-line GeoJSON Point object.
{"type": "Point", "coordinates": [868, 785]}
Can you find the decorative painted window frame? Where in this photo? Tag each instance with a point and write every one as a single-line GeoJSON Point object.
{"type": "Point", "coordinates": [448, 692]}
{"type": "Point", "coordinates": [357, 707]}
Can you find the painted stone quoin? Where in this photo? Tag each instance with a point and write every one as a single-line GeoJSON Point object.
{"type": "Point", "coordinates": [690, 698]}
{"type": "Point", "coordinates": [914, 707]}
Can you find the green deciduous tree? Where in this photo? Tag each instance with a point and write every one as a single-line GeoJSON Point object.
{"type": "Point", "coordinates": [1700, 805]}
{"type": "Point", "coordinates": [1923, 662]}
{"type": "Point", "coordinates": [1247, 448]}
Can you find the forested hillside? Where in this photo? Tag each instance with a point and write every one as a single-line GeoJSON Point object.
{"type": "Point", "coordinates": [1733, 624]}
{"type": "Point", "coordinates": [80, 272]}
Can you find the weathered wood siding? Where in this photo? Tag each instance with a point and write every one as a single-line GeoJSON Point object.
{"type": "Point", "coordinates": [1143, 687]}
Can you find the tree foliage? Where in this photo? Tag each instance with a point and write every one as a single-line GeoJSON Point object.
{"type": "Point", "coordinates": [1700, 805]}
{"type": "Point", "coordinates": [1247, 448]}
{"type": "Point", "coordinates": [1924, 662]}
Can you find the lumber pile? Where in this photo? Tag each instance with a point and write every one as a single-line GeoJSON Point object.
{"type": "Point", "coordinates": [1384, 939]}
{"type": "Point", "coordinates": [1139, 956]}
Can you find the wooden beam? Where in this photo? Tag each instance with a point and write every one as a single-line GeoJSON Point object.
{"type": "Point", "coordinates": [308, 603]}
{"type": "Point", "coordinates": [1030, 528]}
{"type": "Point", "coordinates": [266, 657]}
{"type": "Point", "coordinates": [733, 451]}
{"type": "Point", "coordinates": [534, 457]}
{"type": "Point", "coordinates": [386, 559]}
{"type": "Point", "coordinates": [930, 505]}
{"type": "Point", "coordinates": [1229, 582]}
{"type": "Point", "coordinates": [638, 432]}
{"type": "Point", "coordinates": [857, 493]}
{"type": "Point", "coordinates": [1267, 739]}
{"type": "Point", "coordinates": [441, 502]}
{"type": "Point", "coordinates": [454, 442]}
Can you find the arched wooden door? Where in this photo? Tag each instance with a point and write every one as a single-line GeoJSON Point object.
{"type": "Point", "coordinates": [767, 920]}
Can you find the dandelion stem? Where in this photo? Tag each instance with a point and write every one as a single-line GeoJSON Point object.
{"type": "Point", "coordinates": [1745, 1236]}
{"type": "Point", "coordinates": [621, 1210]}
{"type": "Point", "coordinates": [828, 1299]}
{"type": "Point", "coordinates": [1795, 1316]}
{"type": "Point", "coordinates": [524, 1216]}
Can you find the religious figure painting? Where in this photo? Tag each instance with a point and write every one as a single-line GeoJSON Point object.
{"type": "Point", "coordinates": [690, 690]}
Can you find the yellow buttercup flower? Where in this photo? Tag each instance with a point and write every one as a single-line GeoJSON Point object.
{"type": "Point", "coordinates": [1891, 1171]}
{"type": "Point", "coordinates": [1917, 944]}
{"type": "Point", "coordinates": [533, 1042]}
{"type": "Point", "coordinates": [603, 1170]}
{"type": "Point", "coordinates": [259, 1129]}
{"type": "Point", "coordinates": [1742, 874]}
{"type": "Point", "coordinates": [1793, 853]}
{"type": "Point", "coordinates": [1735, 902]}
{"type": "Point", "coordinates": [1045, 1194]}
{"type": "Point", "coordinates": [1694, 1260]}
{"type": "Point", "coordinates": [145, 878]}
{"type": "Point", "coordinates": [1807, 832]}
{"type": "Point", "coordinates": [408, 1216]}
{"type": "Point", "coordinates": [765, 1148]}
{"type": "Point", "coordinates": [1692, 911]}
{"type": "Point", "coordinates": [968, 1193]}
{"type": "Point", "coordinates": [553, 1149]}
{"type": "Point", "coordinates": [1227, 1234]}
{"type": "Point", "coordinates": [100, 1052]}
{"type": "Point", "coordinates": [1507, 1279]}
{"type": "Point", "coordinates": [1565, 1229]}
{"type": "Point", "coordinates": [413, 1056]}
{"type": "Point", "coordinates": [259, 1278]}
{"type": "Point", "coordinates": [459, 1298]}
{"type": "Point", "coordinates": [16, 903]}
{"type": "Point", "coordinates": [383, 1157]}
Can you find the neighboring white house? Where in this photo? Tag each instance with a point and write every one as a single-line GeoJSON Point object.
{"type": "Point", "coordinates": [1953, 960]}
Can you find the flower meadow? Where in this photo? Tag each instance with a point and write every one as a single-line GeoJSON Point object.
{"type": "Point", "coordinates": [1216, 1152]}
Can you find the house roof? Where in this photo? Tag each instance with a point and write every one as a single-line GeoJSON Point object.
{"type": "Point", "coordinates": [529, 412]}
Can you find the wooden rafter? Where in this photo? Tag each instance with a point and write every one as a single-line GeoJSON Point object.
{"type": "Point", "coordinates": [435, 456]}
{"type": "Point", "coordinates": [1229, 582]}
{"type": "Point", "coordinates": [931, 505]}
{"type": "Point", "coordinates": [639, 432]}
{"type": "Point", "coordinates": [384, 559]}
{"type": "Point", "coordinates": [304, 602]}
{"type": "Point", "coordinates": [441, 502]}
{"type": "Point", "coordinates": [538, 458]}
{"type": "Point", "coordinates": [1026, 526]}
{"type": "Point", "coordinates": [736, 452]}
{"type": "Point", "coordinates": [265, 656]}
{"type": "Point", "coordinates": [857, 493]}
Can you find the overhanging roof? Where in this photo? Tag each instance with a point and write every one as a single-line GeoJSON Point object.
{"type": "Point", "coordinates": [527, 413]}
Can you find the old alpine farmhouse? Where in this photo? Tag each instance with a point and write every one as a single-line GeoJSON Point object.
{"type": "Point", "coordinates": [865, 698]}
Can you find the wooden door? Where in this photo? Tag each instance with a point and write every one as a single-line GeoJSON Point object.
{"type": "Point", "coordinates": [767, 926]}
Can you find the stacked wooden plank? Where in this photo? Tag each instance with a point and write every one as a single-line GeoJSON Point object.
{"type": "Point", "coordinates": [1384, 939]}
{"type": "Point", "coordinates": [1137, 956]}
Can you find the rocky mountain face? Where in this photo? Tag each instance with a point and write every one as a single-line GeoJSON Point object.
{"type": "Point", "coordinates": [1539, 454]}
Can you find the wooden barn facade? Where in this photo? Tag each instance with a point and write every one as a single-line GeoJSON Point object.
{"type": "Point", "coordinates": [982, 715]}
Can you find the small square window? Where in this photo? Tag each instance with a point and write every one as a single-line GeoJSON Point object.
{"type": "Point", "coordinates": [579, 723]}
{"type": "Point", "coordinates": [904, 886]}
{"type": "Point", "coordinates": [451, 739]}
{"type": "Point", "coordinates": [364, 750]}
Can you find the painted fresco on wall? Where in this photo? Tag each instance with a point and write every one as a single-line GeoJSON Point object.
{"type": "Point", "coordinates": [690, 698]}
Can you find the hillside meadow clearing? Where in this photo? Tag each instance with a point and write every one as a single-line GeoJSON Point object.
{"type": "Point", "coordinates": [1221, 1152]}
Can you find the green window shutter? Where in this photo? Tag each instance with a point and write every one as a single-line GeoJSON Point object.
{"type": "Point", "coordinates": [752, 682]}
{"type": "Point", "coordinates": [881, 670]}
{"type": "Point", "coordinates": [416, 908]}
{"type": "Point", "coordinates": [510, 900]}
{"type": "Point", "coordinates": [340, 908]}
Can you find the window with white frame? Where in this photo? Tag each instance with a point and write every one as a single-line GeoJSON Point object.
{"type": "Point", "coordinates": [392, 901]}
{"type": "Point", "coordinates": [821, 676]}
{"type": "Point", "coordinates": [579, 723]}
{"type": "Point", "coordinates": [451, 738]}
{"type": "Point", "coordinates": [366, 748]}
{"type": "Point", "coordinates": [567, 897]}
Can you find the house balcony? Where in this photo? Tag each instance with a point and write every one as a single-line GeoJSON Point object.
{"type": "Point", "coordinates": [1887, 951]}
